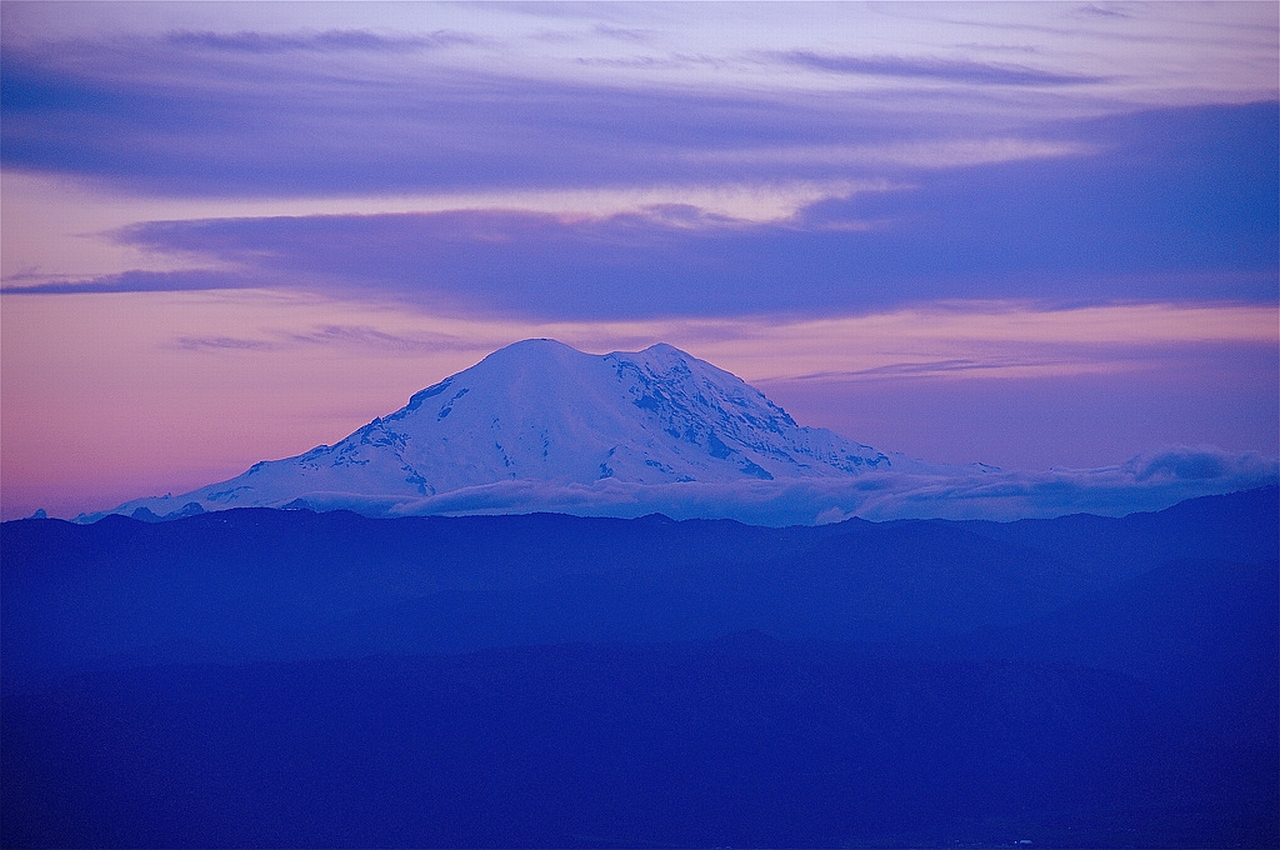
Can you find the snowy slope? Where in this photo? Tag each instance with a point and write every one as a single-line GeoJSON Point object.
{"type": "Point", "coordinates": [540, 411]}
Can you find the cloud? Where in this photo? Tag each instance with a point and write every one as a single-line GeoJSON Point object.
{"type": "Point", "coordinates": [1112, 491]}
{"type": "Point", "coordinates": [281, 123]}
{"type": "Point", "coordinates": [265, 114]}
{"type": "Point", "coordinates": [1098, 10]}
{"type": "Point", "coordinates": [223, 343]}
{"type": "Point", "coordinates": [328, 41]}
{"type": "Point", "coordinates": [628, 34]}
{"type": "Point", "coordinates": [1187, 464]}
{"type": "Point", "coordinates": [135, 281]}
{"type": "Point", "coordinates": [1182, 209]}
{"type": "Point", "coordinates": [974, 492]}
{"type": "Point", "coordinates": [341, 336]}
{"type": "Point", "coordinates": [932, 367]}
{"type": "Point", "coordinates": [949, 70]}
{"type": "Point", "coordinates": [1162, 205]}
{"type": "Point", "coordinates": [372, 338]}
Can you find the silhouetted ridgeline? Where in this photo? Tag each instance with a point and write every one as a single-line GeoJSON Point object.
{"type": "Point", "coordinates": [287, 678]}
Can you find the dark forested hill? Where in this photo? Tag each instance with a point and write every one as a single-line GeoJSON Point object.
{"type": "Point", "coordinates": [741, 742]}
{"type": "Point", "coordinates": [288, 678]}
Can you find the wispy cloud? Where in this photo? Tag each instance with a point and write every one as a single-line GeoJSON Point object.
{"type": "Point", "coordinates": [223, 343]}
{"type": "Point", "coordinates": [134, 281]}
{"type": "Point", "coordinates": [992, 340]}
{"type": "Point", "coordinates": [629, 34]}
{"type": "Point", "coordinates": [362, 337]}
{"type": "Point", "coordinates": [178, 122]}
{"type": "Point", "coordinates": [949, 70]}
{"type": "Point", "coordinates": [327, 41]}
{"type": "Point", "coordinates": [1109, 10]}
{"type": "Point", "coordinates": [953, 366]}
{"type": "Point", "coordinates": [358, 336]}
{"type": "Point", "coordinates": [643, 62]}
{"type": "Point", "coordinates": [248, 113]}
{"type": "Point", "coordinates": [1181, 209]}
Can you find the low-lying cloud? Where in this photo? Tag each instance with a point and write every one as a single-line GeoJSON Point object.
{"type": "Point", "coordinates": [1146, 483]}
{"type": "Point", "coordinates": [975, 493]}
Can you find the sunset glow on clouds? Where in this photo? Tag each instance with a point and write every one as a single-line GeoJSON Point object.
{"type": "Point", "coordinates": [1027, 234]}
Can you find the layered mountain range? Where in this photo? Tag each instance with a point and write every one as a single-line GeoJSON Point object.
{"type": "Point", "coordinates": [272, 678]}
{"type": "Point", "coordinates": [298, 678]}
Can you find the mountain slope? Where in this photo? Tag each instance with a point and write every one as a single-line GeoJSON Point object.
{"type": "Point", "coordinates": [541, 411]}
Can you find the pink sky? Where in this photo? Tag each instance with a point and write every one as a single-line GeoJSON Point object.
{"type": "Point", "coordinates": [1031, 235]}
{"type": "Point", "coordinates": [122, 395]}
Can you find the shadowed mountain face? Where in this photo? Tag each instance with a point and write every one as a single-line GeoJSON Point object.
{"type": "Point", "coordinates": [287, 678]}
{"type": "Point", "coordinates": [539, 410]}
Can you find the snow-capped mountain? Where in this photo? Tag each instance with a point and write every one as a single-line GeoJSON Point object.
{"type": "Point", "coordinates": [540, 411]}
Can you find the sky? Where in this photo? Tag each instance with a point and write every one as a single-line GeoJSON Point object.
{"type": "Point", "coordinates": [1034, 235]}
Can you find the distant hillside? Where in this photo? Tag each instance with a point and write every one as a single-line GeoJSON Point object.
{"type": "Point", "coordinates": [290, 678]}
{"type": "Point", "coordinates": [743, 742]}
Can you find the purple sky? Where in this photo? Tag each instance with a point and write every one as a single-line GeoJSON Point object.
{"type": "Point", "coordinates": [1034, 235]}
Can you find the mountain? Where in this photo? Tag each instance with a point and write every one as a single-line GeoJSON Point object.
{"type": "Point", "coordinates": [540, 411]}
{"type": "Point", "coordinates": [541, 427]}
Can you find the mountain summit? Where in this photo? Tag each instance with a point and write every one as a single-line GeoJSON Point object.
{"type": "Point", "coordinates": [541, 427]}
{"type": "Point", "coordinates": [541, 411]}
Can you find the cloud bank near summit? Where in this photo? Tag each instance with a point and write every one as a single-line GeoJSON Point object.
{"type": "Point", "coordinates": [1144, 483]}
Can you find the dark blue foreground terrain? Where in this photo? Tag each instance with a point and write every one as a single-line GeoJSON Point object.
{"type": "Point", "coordinates": [263, 678]}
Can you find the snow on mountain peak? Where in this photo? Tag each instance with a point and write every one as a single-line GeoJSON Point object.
{"type": "Point", "coordinates": [542, 411]}
{"type": "Point", "coordinates": [541, 426]}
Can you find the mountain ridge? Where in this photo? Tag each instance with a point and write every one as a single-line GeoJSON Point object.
{"type": "Point", "coordinates": [539, 410]}
{"type": "Point", "coordinates": [447, 584]}
{"type": "Point", "coordinates": [539, 426]}
{"type": "Point", "coordinates": [291, 678]}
